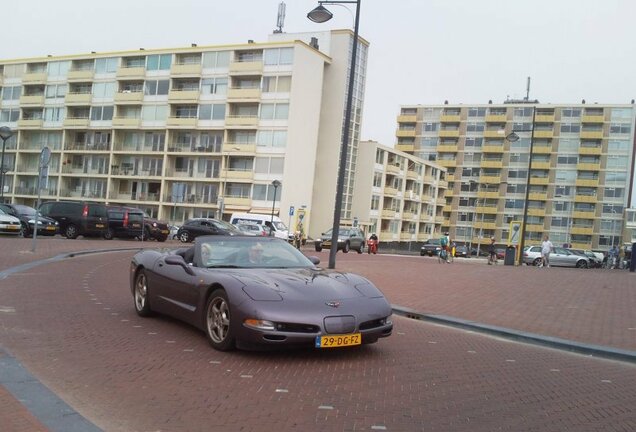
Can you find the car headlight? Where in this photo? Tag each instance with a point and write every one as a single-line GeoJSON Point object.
{"type": "Point", "coordinates": [154, 224]}
{"type": "Point", "coordinates": [259, 324]}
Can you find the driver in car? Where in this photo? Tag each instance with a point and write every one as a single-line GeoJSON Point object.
{"type": "Point", "coordinates": [255, 255]}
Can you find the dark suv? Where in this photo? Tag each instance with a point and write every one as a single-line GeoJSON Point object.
{"type": "Point", "coordinates": [193, 228]}
{"type": "Point", "coordinates": [154, 229]}
{"type": "Point", "coordinates": [77, 217]}
{"type": "Point", "coordinates": [124, 222]}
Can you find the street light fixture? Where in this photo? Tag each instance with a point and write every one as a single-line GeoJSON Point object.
{"type": "Point", "coordinates": [5, 134]}
{"type": "Point", "coordinates": [320, 15]}
{"type": "Point", "coordinates": [275, 183]}
{"type": "Point", "coordinates": [513, 137]}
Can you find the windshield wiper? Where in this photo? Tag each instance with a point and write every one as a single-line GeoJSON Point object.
{"type": "Point", "coordinates": [223, 266]}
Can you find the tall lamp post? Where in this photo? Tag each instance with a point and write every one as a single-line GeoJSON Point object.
{"type": "Point", "coordinates": [5, 134]}
{"type": "Point", "coordinates": [275, 183]}
{"type": "Point", "coordinates": [513, 137]}
{"type": "Point", "coordinates": [320, 15]}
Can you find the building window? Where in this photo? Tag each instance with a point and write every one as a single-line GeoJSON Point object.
{"type": "Point", "coordinates": [274, 111]}
{"type": "Point", "coordinates": [476, 112]}
{"type": "Point", "coordinates": [212, 112]}
{"type": "Point", "coordinates": [154, 112]}
{"type": "Point", "coordinates": [279, 56]}
{"type": "Point", "coordinates": [570, 128]}
{"type": "Point", "coordinates": [217, 85]}
{"type": "Point", "coordinates": [272, 138]}
{"type": "Point", "coordinates": [431, 127]}
{"type": "Point", "coordinates": [58, 69]}
{"type": "Point", "coordinates": [269, 165]}
{"type": "Point", "coordinates": [158, 62]}
{"type": "Point", "coordinates": [156, 87]}
{"type": "Point", "coordinates": [102, 113]}
{"type": "Point", "coordinates": [571, 112]}
{"type": "Point", "coordinates": [276, 84]}
{"type": "Point", "coordinates": [54, 91]}
{"type": "Point", "coordinates": [104, 90]}
{"type": "Point", "coordinates": [620, 128]}
{"type": "Point", "coordinates": [9, 115]}
{"type": "Point", "coordinates": [216, 59]}
{"type": "Point", "coordinates": [106, 65]}
{"type": "Point", "coordinates": [11, 93]}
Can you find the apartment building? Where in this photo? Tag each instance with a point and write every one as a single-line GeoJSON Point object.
{"type": "Point", "coordinates": [188, 132]}
{"type": "Point", "coordinates": [580, 177]}
{"type": "Point", "coordinates": [398, 196]}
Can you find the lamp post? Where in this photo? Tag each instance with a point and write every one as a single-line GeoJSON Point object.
{"type": "Point", "coordinates": [320, 15]}
{"type": "Point", "coordinates": [513, 137]}
{"type": "Point", "coordinates": [275, 183]}
{"type": "Point", "coordinates": [223, 185]}
{"type": "Point", "coordinates": [5, 134]}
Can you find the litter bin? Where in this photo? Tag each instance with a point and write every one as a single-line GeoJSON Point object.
{"type": "Point", "coordinates": [632, 261]}
{"type": "Point", "coordinates": [509, 258]}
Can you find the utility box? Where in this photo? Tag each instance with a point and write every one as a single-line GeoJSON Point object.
{"type": "Point", "coordinates": [509, 258]}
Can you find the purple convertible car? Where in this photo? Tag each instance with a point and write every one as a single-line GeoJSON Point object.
{"type": "Point", "coordinates": [254, 292]}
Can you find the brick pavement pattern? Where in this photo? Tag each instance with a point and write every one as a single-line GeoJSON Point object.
{"type": "Point", "coordinates": [79, 334]}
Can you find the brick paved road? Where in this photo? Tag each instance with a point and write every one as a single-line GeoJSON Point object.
{"type": "Point", "coordinates": [81, 337]}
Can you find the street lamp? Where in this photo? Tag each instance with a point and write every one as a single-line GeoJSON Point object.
{"type": "Point", "coordinates": [275, 183]}
{"type": "Point", "coordinates": [223, 185]}
{"type": "Point", "coordinates": [320, 15]}
{"type": "Point", "coordinates": [513, 137]}
{"type": "Point", "coordinates": [5, 134]}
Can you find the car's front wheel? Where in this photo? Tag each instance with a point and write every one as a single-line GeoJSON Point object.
{"type": "Point", "coordinates": [109, 234]}
{"type": "Point", "coordinates": [581, 264]}
{"type": "Point", "coordinates": [218, 325]}
{"type": "Point", "coordinates": [346, 248]}
{"type": "Point", "coordinates": [318, 248]}
{"type": "Point", "coordinates": [536, 262]}
{"type": "Point", "coordinates": [142, 305]}
{"type": "Point", "coordinates": [71, 232]}
{"type": "Point", "coordinates": [184, 237]}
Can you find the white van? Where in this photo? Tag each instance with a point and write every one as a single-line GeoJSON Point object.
{"type": "Point", "coordinates": [278, 227]}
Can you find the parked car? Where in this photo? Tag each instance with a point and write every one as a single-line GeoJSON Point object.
{"type": "Point", "coordinates": [431, 247]}
{"type": "Point", "coordinates": [196, 227]}
{"type": "Point", "coordinates": [173, 230]}
{"type": "Point", "coordinates": [257, 292]}
{"type": "Point", "coordinates": [501, 253]}
{"type": "Point", "coordinates": [26, 214]}
{"type": "Point", "coordinates": [154, 229]}
{"type": "Point", "coordinates": [124, 222]}
{"type": "Point", "coordinates": [77, 217]}
{"type": "Point", "coordinates": [595, 262]}
{"type": "Point", "coordinates": [461, 251]}
{"type": "Point", "coordinates": [349, 238]}
{"type": "Point", "coordinates": [253, 229]}
{"type": "Point", "coordinates": [560, 257]}
{"type": "Point", "coordinates": [483, 251]}
{"type": "Point", "coordinates": [9, 224]}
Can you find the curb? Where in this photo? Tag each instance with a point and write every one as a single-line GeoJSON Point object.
{"type": "Point", "coordinates": [521, 336]}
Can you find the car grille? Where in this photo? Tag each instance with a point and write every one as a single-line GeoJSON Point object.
{"type": "Point", "coordinates": [367, 325]}
{"type": "Point", "coordinates": [340, 324]}
{"type": "Point", "coordinates": [297, 328]}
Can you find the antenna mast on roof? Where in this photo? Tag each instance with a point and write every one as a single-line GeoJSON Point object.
{"type": "Point", "coordinates": [528, 90]}
{"type": "Point", "coordinates": [280, 20]}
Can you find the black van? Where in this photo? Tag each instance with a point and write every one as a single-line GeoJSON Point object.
{"type": "Point", "coordinates": [77, 217]}
{"type": "Point", "coordinates": [124, 222]}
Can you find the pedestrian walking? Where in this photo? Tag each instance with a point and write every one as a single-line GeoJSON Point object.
{"type": "Point", "coordinates": [546, 248]}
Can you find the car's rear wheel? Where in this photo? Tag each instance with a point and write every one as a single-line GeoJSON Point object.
{"type": "Point", "coordinates": [218, 325]}
{"type": "Point", "coordinates": [24, 230]}
{"type": "Point", "coordinates": [109, 234]}
{"type": "Point", "coordinates": [162, 239]}
{"type": "Point", "coordinates": [71, 232]}
{"type": "Point", "coordinates": [142, 305]}
{"type": "Point", "coordinates": [536, 262]}
{"type": "Point", "coordinates": [581, 264]}
{"type": "Point", "coordinates": [346, 248]}
{"type": "Point", "coordinates": [184, 237]}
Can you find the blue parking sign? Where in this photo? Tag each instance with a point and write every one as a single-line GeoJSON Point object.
{"type": "Point", "coordinates": [291, 210]}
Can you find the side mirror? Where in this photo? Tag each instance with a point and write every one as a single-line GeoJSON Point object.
{"type": "Point", "coordinates": [314, 260]}
{"type": "Point", "coordinates": [178, 260]}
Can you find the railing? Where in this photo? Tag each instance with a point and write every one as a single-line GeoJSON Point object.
{"type": "Point", "coordinates": [85, 146]}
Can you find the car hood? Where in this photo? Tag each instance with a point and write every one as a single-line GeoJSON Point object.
{"type": "Point", "coordinates": [304, 285]}
{"type": "Point", "coordinates": [9, 219]}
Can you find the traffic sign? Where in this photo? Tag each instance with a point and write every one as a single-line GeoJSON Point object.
{"type": "Point", "coordinates": [291, 210]}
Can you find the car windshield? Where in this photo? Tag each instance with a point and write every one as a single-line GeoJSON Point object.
{"type": "Point", "coordinates": [280, 226]}
{"type": "Point", "coordinates": [248, 252]}
{"type": "Point", "coordinates": [224, 225]}
{"type": "Point", "coordinates": [25, 210]}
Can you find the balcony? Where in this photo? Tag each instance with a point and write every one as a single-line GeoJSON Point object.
{"type": "Point", "coordinates": [235, 148]}
{"type": "Point", "coordinates": [390, 191]}
{"type": "Point", "coordinates": [132, 72]}
{"type": "Point", "coordinates": [246, 67]}
{"type": "Point", "coordinates": [243, 94]}
{"type": "Point", "coordinates": [183, 96]}
{"type": "Point", "coordinates": [447, 148]}
{"type": "Point", "coordinates": [34, 78]}
{"type": "Point", "coordinates": [407, 148]}
{"type": "Point", "coordinates": [592, 135]}
{"type": "Point", "coordinates": [486, 195]}
{"type": "Point", "coordinates": [590, 151]}
{"type": "Point", "coordinates": [584, 214]}
{"type": "Point", "coordinates": [447, 208]}
{"type": "Point", "coordinates": [125, 97]}
{"type": "Point", "coordinates": [392, 168]}
{"type": "Point", "coordinates": [402, 133]}
{"type": "Point", "coordinates": [587, 182]}
{"type": "Point", "coordinates": [186, 69]}
{"type": "Point", "coordinates": [493, 148]}
{"type": "Point", "coordinates": [541, 149]}
{"type": "Point", "coordinates": [538, 196]}
{"type": "Point", "coordinates": [586, 230]}
{"type": "Point", "coordinates": [388, 214]}
{"type": "Point", "coordinates": [499, 133]}
{"type": "Point", "coordinates": [32, 100]}
{"type": "Point", "coordinates": [78, 98]}
{"type": "Point", "coordinates": [409, 215]}
{"type": "Point", "coordinates": [535, 227]}
{"type": "Point", "coordinates": [536, 211]}
{"type": "Point", "coordinates": [241, 120]}
{"type": "Point", "coordinates": [496, 118]}
{"type": "Point", "coordinates": [490, 179]}
{"type": "Point", "coordinates": [190, 122]}
{"type": "Point", "coordinates": [237, 201]}
{"type": "Point", "coordinates": [450, 118]}
{"type": "Point", "coordinates": [442, 184]}
{"type": "Point", "coordinates": [539, 181]}
{"type": "Point", "coordinates": [77, 122]}
{"type": "Point", "coordinates": [30, 123]}
{"type": "Point", "coordinates": [448, 163]}
{"type": "Point", "coordinates": [592, 119]}
{"type": "Point", "coordinates": [586, 199]}
{"type": "Point", "coordinates": [491, 163]}
{"type": "Point", "coordinates": [237, 174]}
{"type": "Point", "coordinates": [126, 122]}
{"type": "Point", "coordinates": [408, 236]}
{"type": "Point", "coordinates": [486, 210]}
{"type": "Point", "coordinates": [449, 133]}
{"type": "Point", "coordinates": [80, 75]}
{"type": "Point", "coordinates": [544, 118]}
{"type": "Point", "coordinates": [543, 133]}
{"type": "Point", "coordinates": [485, 225]}
{"type": "Point", "coordinates": [540, 165]}
{"type": "Point", "coordinates": [412, 118]}
{"type": "Point", "coordinates": [588, 166]}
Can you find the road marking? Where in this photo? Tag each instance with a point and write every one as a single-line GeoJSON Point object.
{"type": "Point", "coordinates": [215, 362]}
{"type": "Point", "coordinates": [378, 427]}
{"type": "Point", "coordinates": [432, 342]}
{"type": "Point", "coordinates": [188, 350]}
{"type": "Point", "coordinates": [472, 352]}
{"type": "Point", "coordinates": [247, 376]}
{"type": "Point", "coordinates": [282, 391]}
{"type": "Point", "coordinates": [510, 360]}
{"type": "Point", "coordinates": [7, 309]}
{"type": "Point", "coordinates": [325, 407]}
{"type": "Point", "coordinates": [606, 381]}
{"type": "Point", "coordinates": [152, 333]}
{"type": "Point", "coordinates": [170, 341]}
{"type": "Point", "coordinates": [555, 370]}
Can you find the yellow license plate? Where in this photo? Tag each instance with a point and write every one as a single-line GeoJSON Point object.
{"type": "Point", "coordinates": [136, 225]}
{"type": "Point", "coordinates": [326, 244]}
{"type": "Point", "coordinates": [164, 231]}
{"type": "Point", "coordinates": [99, 225]}
{"type": "Point", "coordinates": [335, 341]}
{"type": "Point", "coordinates": [50, 228]}
{"type": "Point", "coordinates": [15, 228]}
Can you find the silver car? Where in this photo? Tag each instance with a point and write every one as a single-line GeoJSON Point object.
{"type": "Point", "coordinates": [559, 257]}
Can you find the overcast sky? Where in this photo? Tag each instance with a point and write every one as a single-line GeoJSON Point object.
{"type": "Point", "coordinates": [422, 51]}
